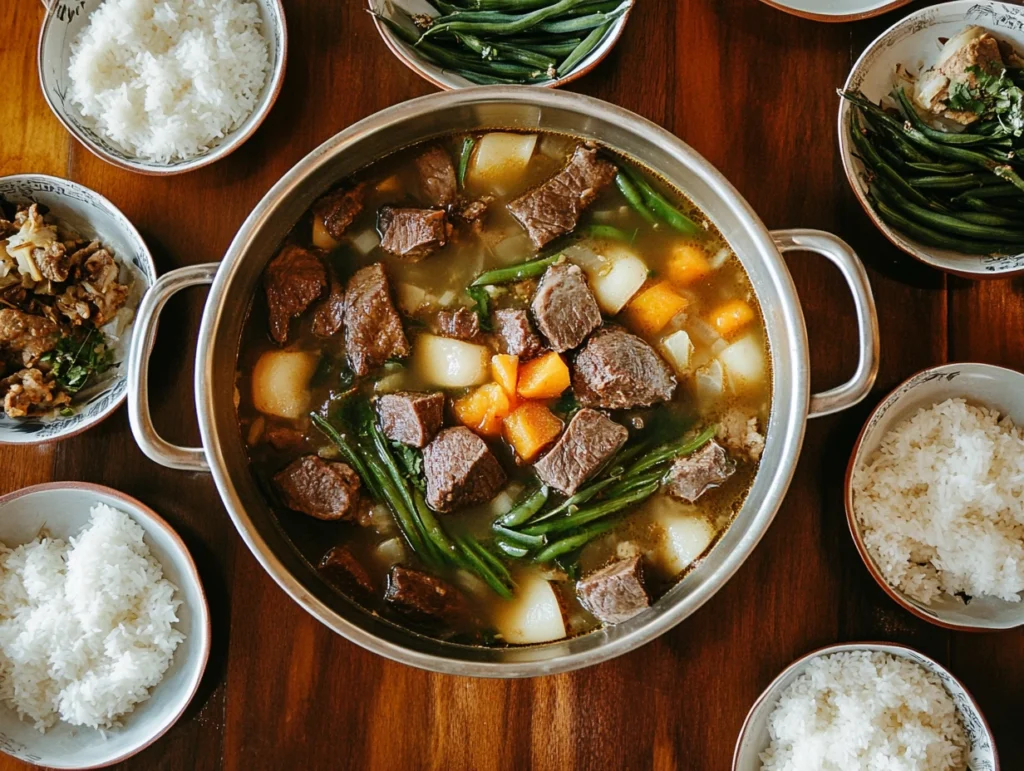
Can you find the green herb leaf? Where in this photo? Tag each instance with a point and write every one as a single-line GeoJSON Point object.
{"type": "Point", "coordinates": [77, 358]}
{"type": "Point", "coordinates": [992, 96]}
{"type": "Point", "coordinates": [479, 295]}
{"type": "Point", "coordinates": [412, 463]}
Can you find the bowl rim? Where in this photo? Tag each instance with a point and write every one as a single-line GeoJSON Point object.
{"type": "Point", "coordinates": [790, 395]}
{"type": "Point", "coordinates": [880, 646]}
{"type": "Point", "coordinates": [835, 18]}
{"type": "Point", "coordinates": [905, 245]}
{"type": "Point", "coordinates": [851, 518]}
{"type": "Point", "coordinates": [151, 263]}
{"type": "Point", "coordinates": [139, 509]}
{"type": "Point", "coordinates": [219, 152]}
{"type": "Point", "coordinates": [607, 44]}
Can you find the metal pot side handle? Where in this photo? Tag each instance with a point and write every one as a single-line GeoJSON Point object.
{"type": "Point", "coordinates": [849, 264]}
{"type": "Point", "coordinates": [150, 442]}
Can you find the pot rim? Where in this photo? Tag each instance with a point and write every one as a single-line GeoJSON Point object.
{"type": "Point", "coordinates": [786, 424]}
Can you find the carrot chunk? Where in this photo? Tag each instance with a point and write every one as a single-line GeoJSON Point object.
{"type": "Point", "coordinates": [483, 409]}
{"type": "Point", "coordinates": [731, 317]}
{"type": "Point", "coordinates": [653, 308]}
{"type": "Point", "coordinates": [530, 428]}
{"type": "Point", "coordinates": [687, 265]}
{"type": "Point", "coordinates": [505, 371]}
{"type": "Point", "coordinates": [543, 378]}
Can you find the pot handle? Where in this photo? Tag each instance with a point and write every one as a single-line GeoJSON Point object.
{"type": "Point", "coordinates": [155, 447]}
{"type": "Point", "coordinates": [849, 264]}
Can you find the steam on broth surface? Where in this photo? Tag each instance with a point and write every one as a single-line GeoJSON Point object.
{"type": "Point", "coordinates": [504, 388]}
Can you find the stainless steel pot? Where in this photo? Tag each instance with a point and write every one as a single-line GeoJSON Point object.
{"type": "Point", "coordinates": [236, 278]}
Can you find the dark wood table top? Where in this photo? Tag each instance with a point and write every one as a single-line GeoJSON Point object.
{"type": "Point", "coordinates": [753, 90]}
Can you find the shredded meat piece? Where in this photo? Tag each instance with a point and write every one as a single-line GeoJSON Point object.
{"type": "Point", "coordinates": [74, 303]}
{"type": "Point", "coordinates": [28, 392]}
{"type": "Point", "coordinates": [29, 335]}
{"type": "Point", "coordinates": [99, 279]}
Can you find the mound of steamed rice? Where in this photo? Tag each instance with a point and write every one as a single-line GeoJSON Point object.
{"type": "Point", "coordinates": [86, 627]}
{"type": "Point", "coordinates": [865, 711]}
{"type": "Point", "coordinates": [941, 504]}
{"type": "Point", "coordinates": [166, 79]}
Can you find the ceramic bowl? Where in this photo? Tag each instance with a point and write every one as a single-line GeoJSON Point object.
{"type": "Point", "coordinates": [62, 508]}
{"type": "Point", "coordinates": [91, 216]}
{"type": "Point", "coordinates": [982, 384]}
{"type": "Point", "coordinates": [64, 21]}
{"type": "Point", "coordinates": [914, 44]}
{"type": "Point", "coordinates": [448, 80]}
{"type": "Point", "coordinates": [836, 10]}
{"type": "Point", "coordinates": [754, 737]}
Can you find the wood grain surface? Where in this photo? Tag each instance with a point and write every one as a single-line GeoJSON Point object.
{"type": "Point", "coordinates": [753, 90]}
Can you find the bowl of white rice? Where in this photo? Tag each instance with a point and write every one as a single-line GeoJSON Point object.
{"type": "Point", "coordinates": [865, 707]}
{"type": "Point", "coordinates": [104, 627]}
{"type": "Point", "coordinates": [162, 86]}
{"type": "Point", "coordinates": [935, 496]}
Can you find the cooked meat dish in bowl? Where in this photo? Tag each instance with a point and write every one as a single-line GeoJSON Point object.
{"type": "Point", "coordinates": [63, 310]}
{"type": "Point", "coordinates": [504, 388]}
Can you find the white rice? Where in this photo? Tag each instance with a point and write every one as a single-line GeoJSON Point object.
{"type": "Point", "coordinates": [166, 79]}
{"type": "Point", "coordinates": [86, 628]}
{"type": "Point", "coordinates": [941, 504]}
{"type": "Point", "coordinates": [865, 711]}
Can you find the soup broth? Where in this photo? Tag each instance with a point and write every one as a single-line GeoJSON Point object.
{"type": "Point", "coordinates": [602, 381]}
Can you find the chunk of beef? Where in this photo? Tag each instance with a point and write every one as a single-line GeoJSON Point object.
{"type": "Point", "coordinates": [461, 470]}
{"type": "Point", "coordinates": [553, 208]}
{"type": "Point", "coordinates": [437, 176]}
{"type": "Point", "coordinates": [53, 261]}
{"type": "Point", "coordinates": [412, 234]}
{"type": "Point", "coordinates": [27, 334]}
{"type": "Point", "coordinates": [471, 211]}
{"type": "Point", "coordinates": [284, 437]}
{"type": "Point", "coordinates": [99, 277]}
{"type": "Point", "coordinates": [410, 418]}
{"type": "Point", "coordinates": [616, 592]}
{"type": "Point", "coordinates": [293, 281]}
{"type": "Point", "coordinates": [338, 209]}
{"type": "Point", "coordinates": [587, 444]}
{"type": "Point", "coordinates": [693, 475]}
{"type": "Point", "coordinates": [322, 489]}
{"type": "Point", "coordinates": [515, 333]}
{"type": "Point", "coordinates": [564, 307]}
{"type": "Point", "coordinates": [461, 324]}
{"type": "Point", "coordinates": [329, 315]}
{"type": "Point", "coordinates": [29, 392]}
{"type": "Point", "coordinates": [739, 433]}
{"type": "Point", "coordinates": [340, 567]}
{"type": "Point", "coordinates": [618, 370]}
{"type": "Point", "coordinates": [421, 596]}
{"type": "Point", "coordinates": [373, 328]}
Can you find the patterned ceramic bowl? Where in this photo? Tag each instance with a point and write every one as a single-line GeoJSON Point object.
{"type": "Point", "coordinates": [913, 44]}
{"type": "Point", "coordinates": [62, 508]}
{"type": "Point", "coordinates": [65, 19]}
{"type": "Point", "coordinates": [981, 384]}
{"type": "Point", "coordinates": [446, 79]}
{"type": "Point", "coordinates": [754, 737]}
{"type": "Point", "coordinates": [90, 215]}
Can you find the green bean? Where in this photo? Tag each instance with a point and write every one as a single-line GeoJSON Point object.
{"type": "Point", "coordinates": [391, 467]}
{"type": "Point", "coordinates": [996, 191]}
{"type": "Point", "coordinates": [573, 542]}
{"type": "Point", "coordinates": [985, 218]}
{"type": "Point", "coordinates": [661, 208]}
{"type": "Point", "coordinates": [874, 162]}
{"type": "Point", "coordinates": [961, 182]}
{"type": "Point", "coordinates": [433, 528]}
{"type": "Point", "coordinates": [518, 272]}
{"type": "Point", "coordinates": [944, 137]}
{"type": "Point", "coordinates": [672, 451]}
{"type": "Point", "coordinates": [635, 482]}
{"type": "Point", "coordinates": [978, 205]}
{"type": "Point", "coordinates": [526, 507]}
{"type": "Point", "coordinates": [350, 454]}
{"type": "Point", "coordinates": [521, 23]}
{"type": "Point", "coordinates": [465, 153]}
{"type": "Point", "coordinates": [529, 541]}
{"type": "Point", "coordinates": [584, 49]}
{"type": "Point", "coordinates": [608, 231]}
{"type": "Point", "coordinates": [481, 79]}
{"type": "Point", "coordinates": [931, 237]}
{"type": "Point", "coordinates": [587, 514]}
{"type": "Point", "coordinates": [894, 159]}
{"type": "Point", "coordinates": [552, 49]}
{"type": "Point", "coordinates": [490, 560]}
{"type": "Point", "coordinates": [540, 41]}
{"type": "Point", "coordinates": [512, 53]}
{"type": "Point", "coordinates": [500, 5]}
{"type": "Point", "coordinates": [582, 23]}
{"type": "Point", "coordinates": [948, 223]}
{"type": "Point", "coordinates": [511, 549]}
{"type": "Point", "coordinates": [633, 197]}
{"type": "Point", "coordinates": [942, 168]}
{"type": "Point", "coordinates": [483, 570]}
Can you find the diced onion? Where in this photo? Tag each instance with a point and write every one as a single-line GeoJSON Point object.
{"type": "Point", "coordinates": [744, 363]}
{"type": "Point", "coordinates": [365, 242]}
{"type": "Point", "coordinates": [448, 363]}
{"type": "Point", "coordinates": [678, 349]}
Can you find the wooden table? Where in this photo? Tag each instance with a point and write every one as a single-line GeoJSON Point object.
{"type": "Point", "coordinates": [753, 90]}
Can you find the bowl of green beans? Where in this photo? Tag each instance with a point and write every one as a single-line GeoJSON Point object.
{"type": "Point", "coordinates": [464, 43]}
{"type": "Point", "coordinates": [949, 195]}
